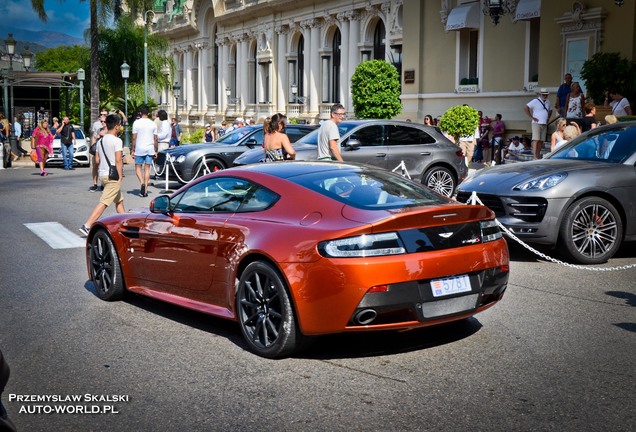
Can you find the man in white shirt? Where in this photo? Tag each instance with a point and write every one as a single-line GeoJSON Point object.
{"type": "Point", "coordinates": [109, 149]}
{"type": "Point", "coordinates": [144, 148]}
{"type": "Point", "coordinates": [540, 111]}
{"type": "Point", "coordinates": [329, 135]}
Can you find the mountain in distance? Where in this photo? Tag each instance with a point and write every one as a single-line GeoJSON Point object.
{"type": "Point", "coordinates": [47, 39]}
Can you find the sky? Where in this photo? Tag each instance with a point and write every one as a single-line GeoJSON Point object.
{"type": "Point", "coordinates": [70, 17]}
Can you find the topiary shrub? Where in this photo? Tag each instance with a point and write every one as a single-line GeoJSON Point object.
{"type": "Point", "coordinates": [194, 137]}
{"type": "Point", "coordinates": [605, 71]}
{"type": "Point", "coordinates": [375, 90]}
{"type": "Point", "coordinates": [459, 121]}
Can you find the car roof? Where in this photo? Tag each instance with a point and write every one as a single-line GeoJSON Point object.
{"type": "Point", "coordinates": [294, 168]}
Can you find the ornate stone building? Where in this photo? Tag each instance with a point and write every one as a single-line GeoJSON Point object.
{"type": "Point", "coordinates": [252, 58]}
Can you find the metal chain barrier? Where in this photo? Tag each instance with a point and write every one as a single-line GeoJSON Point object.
{"type": "Point", "coordinates": [165, 170]}
{"type": "Point", "coordinates": [474, 199]}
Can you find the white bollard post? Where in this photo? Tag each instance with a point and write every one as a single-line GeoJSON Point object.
{"type": "Point", "coordinates": [166, 168]}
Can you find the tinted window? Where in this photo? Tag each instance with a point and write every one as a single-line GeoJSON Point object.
{"type": "Point", "coordinates": [406, 135]}
{"type": "Point", "coordinates": [235, 136]}
{"type": "Point", "coordinates": [369, 189]}
{"type": "Point", "coordinates": [295, 134]}
{"type": "Point", "coordinates": [602, 144]}
{"type": "Point", "coordinates": [224, 194]}
{"type": "Point", "coordinates": [369, 135]}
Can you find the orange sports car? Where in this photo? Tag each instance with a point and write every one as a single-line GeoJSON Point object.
{"type": "Point", "coordinates": [296, 249]}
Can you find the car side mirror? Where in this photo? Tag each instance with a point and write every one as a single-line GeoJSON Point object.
{"type": "Point", "coordinates": [161, 204]}
{"type": "Point", "coordinates": [251, 143]}
{"type": "Point", "coordinates": [352, 144]}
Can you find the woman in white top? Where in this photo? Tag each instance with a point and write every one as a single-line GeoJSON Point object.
{"type": "Point", "coordinates": [557, 135]}
{"type": "Point", "coordinates": [619, 104]}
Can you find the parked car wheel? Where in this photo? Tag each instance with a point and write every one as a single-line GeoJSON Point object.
{"type": "Point", "coordinates": [104, 267]}
{"type": "Point", "coordinates": [265, 313]}
{"type": "Point", "coordinates": [441, 180]}
{"type": "Point", "coordinates": [591, 231]}
{"type": "Point", "coordinates": [212, 165]}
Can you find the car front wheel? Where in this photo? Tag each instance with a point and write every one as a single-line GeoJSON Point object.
{"type": "Point", "coordinates": [441, 180]}
{"type": "Point", "coordinates": [105, 268]}
{"type": "Point", "coordinates": [265, 313]}
{"type": "Point", "coordinates": [591, 231]}
{"type": "Point", "coordinates": [207, 166]}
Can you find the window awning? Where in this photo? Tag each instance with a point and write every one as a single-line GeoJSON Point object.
{"type": "Point", "coordinates": [463, 17]}
{"type": "Point", "coordinates": [528, 9]}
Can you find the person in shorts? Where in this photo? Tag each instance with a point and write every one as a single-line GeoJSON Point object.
{"type": "Point", "coordinates": [539, 110]}
{"type": "Point", "coordinates": [111, 148]}
{"type": "Point", "coordinates": [144, 148]}
{"type": "Point", "coordinates": [98, 129]}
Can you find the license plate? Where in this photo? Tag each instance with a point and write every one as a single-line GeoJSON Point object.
{"type": "Point", "coordinates": [448, 286]}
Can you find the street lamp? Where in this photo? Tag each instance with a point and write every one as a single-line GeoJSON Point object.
{"type": "Point", "coordinates": [10, 43]}
{"type": "Point", "coordinates": [81, 76]}
{"type": "Point", "coordinates": [154, 21]}
{"type": "Point", "coordinates": [26, 58]}
{"type": "Point", "coordinates": [125, 73]}
{"type": "Point", "coordinates": [495, 9]}
{"type": "Point", "coordinates": [177, 92]}
{"type": "Point", "coordinates": [294, 92]}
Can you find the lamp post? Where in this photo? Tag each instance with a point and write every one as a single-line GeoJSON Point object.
{"type": "Point", "coordinates": [495, 9]}
{"type": "Point", "coordinates": [27, 56]}
{"type": "Point", "coordinates": [10, 43]}
{"type": "Point", "coordinates": [154, 21]}
{"type": "Point", "coordinates": [81, 76]}
{"type": "Point", "coordinates": [125, 73]}
{"type": "Point", "coordinates": [177, 92]}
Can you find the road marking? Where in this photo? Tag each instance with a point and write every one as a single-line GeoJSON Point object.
{"type": "Point", "coordinates": [56, 235]}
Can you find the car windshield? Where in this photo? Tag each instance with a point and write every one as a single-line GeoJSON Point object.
{"type": "Point", "coordinates": [312, 137]}
{"type": "Point", "coordinates": [369, 189]}
{"type": "Point", "coordinates": [601, 144]}
{"type": "Point", "coordinates": [234, 136]}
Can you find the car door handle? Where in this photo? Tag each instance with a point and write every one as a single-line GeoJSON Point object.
{"type": "Point", "coordinates": [380, 155]}
{"type": "Point", "coordinates": [425, 153]}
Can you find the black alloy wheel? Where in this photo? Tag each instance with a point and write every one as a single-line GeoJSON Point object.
{"type": "Point", "coordinates": [265, 313]}
{"type": "Point", "coordinates": [105, 268]}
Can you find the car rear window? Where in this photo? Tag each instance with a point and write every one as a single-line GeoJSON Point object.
{"type": "Point", "coordinates": [369, 189]}
{"type": "Point", "coordinates": [604, 145]}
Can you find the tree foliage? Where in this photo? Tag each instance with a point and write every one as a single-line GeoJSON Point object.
{"type": "Point", "coordinates": [375, 90]}
{"type": "Point", "coordinates": [606, 71]}
{"type": "Point", "coordinates": [63, 59]}
{"type": "Point", "coordinates": [459, 121]}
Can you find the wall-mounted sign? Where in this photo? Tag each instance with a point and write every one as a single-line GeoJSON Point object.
{"type": "Point", "coordinates": [409, 76]}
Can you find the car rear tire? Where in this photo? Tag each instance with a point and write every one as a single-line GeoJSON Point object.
{"type": "Point", "coordinates": [265, 312]}
{"type": "Point", "coordinates": [105, 268]}
{"type": "Point", "coordinates": [591, 231]}
{"type": "Point", "coordinates": [441, 180]}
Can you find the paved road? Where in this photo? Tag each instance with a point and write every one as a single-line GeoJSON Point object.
{"type": "Point", "coordinates": [558, 353]}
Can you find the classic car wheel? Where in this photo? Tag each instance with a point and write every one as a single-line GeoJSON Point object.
{"type": "Point", "coordinates": [104, 267]}
{"type": "Point", "coordinates": [265, 312]}
{"type": "Point", "coordinates": [441, 180]}
{"type": "Point", "coordinates": [591, 231]}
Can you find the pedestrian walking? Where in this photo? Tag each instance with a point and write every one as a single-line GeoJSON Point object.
{"type": "Point", "coordinates": [109, 152]}
{"type": "Point", "coordinates": [42, 142]}
{"type": "Point", "coordinates": [144, 148]}
{"type": "Point", "coordinates": [329, 135]}
{"type": "Point", "coordinates": [67, 142]}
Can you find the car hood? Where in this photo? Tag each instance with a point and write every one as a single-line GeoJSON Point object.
{"type": "Point", "coordinates": [505, 177]}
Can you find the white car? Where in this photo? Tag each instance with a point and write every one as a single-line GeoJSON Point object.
{"type": "Point", "coordinates": [81, 157]}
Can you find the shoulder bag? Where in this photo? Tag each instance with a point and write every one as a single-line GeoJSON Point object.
{"type": "Point", "coordinates": [112, 169]}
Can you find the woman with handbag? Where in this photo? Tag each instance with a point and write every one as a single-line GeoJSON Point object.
{"type": "Point", "coordinates": [42, 143]}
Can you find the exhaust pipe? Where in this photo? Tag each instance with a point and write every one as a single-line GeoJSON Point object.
{"type": "Point", "coordinates": [365, 316]}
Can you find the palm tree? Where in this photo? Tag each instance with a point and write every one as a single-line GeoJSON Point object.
{"type": "Point", "coordinates": [106, 8]}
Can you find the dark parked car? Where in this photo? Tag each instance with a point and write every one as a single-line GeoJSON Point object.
{"type": "Point", "coordinates": [190, 160]}
{"type": "Point", "coordinates": [290, 250]}
{"type": "Point", "coordinates": [427, 154]}
{"type": "Point", "coordinates": [580, 199]}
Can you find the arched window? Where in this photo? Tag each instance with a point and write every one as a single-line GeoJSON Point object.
{"type": "Point", "coordinates": [335, 67]}
{"type": "Point", "coordinates": [379, 36]}
{"type": "Point", "coordinates": [300, 72]}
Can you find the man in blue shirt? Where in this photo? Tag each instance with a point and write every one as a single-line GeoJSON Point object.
{"type": "Point", "coordinates": [562, 94]}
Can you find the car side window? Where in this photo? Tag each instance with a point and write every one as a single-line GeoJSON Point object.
{"type": "Point", "coordinates": [258, 136]}
{"type": "Point", "coordinates": [294, 134]}
{"type": "Point", "coordinates": [369, 135]}
{"type": "Point", "coordinates": [220, 194]}
{"type": "Point", "coordinates": [406, 135]}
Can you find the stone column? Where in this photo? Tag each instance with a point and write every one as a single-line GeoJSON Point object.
{"type": "Point", "coordinates": [314, 64]}
{"type": "Point", "coordinates": [280, 70]}
{"type": "Point", "coordinates": [354, 54]}
{"type": "Point", "coordinates": [187, 82]}
{"type": "Point", "coordinates": [345, 85]}
{"type": "Point", "coordinates": [242, 65]}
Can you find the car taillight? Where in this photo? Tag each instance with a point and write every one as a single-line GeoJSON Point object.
{"type": "Point", "coordinates": [366, 245]}
{"type": "Point", "coordinates": [489, 231]}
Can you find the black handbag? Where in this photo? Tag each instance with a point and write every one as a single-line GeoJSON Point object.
{"type": "Point", "coordinates": [113, 174]}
